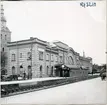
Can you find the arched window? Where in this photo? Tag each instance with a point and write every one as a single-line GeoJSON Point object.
{"type": "Point", "coordinates": [13, 70]}
{"type": "Point", "coordinates": [47, 69]}
{"type": "Point", "coordinates": [70, 60]}
{"type": "Point", "coordinates": [21, 66]}
{"type": "Point", "coordinates": [1, 36]}
{"type": "Point", "coordinates": [29, 67]}
{"type": "Point", "coordinates": [3, 72]}
{"type": "Point", "coordinates": [3, 49]}
{"type": "Point", "coordinates": [29, 72]}
{"type": "Point", "coordinates": [29, 56]}
{"type": "Point", "coordinates": [5, 37]}
{"type": "Point", "coordinates": [21, 69]}
{"type": "Point", "coordinates": [41, 71]}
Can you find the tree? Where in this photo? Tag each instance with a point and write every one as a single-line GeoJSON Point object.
{"type": "Point", "coordinates": [103, 68]}
{"type": "Point", "coordinates": [95, 68]}
{"type": "Point", "coordinates": [104, 65]}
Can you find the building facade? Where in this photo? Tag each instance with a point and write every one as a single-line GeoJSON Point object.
{"type": "Point", "coordinates": [38, 58]}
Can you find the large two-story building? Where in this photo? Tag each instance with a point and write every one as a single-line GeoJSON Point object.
{"type": "Point", "coordinates": [38, 58]}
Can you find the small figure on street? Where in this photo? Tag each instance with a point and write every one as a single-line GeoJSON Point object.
{"type": "Point", "coordinates": [31, 75]}
{"type": "Point", "coordinates": [28, 76]}
{"type": "Point", "coordinates": [65, 74]}
{"type": "Point", "coordinates": [24, 75]}
{"type": "Point", "coordinates": [92, 72]}
{"type": "Point", "coordinates": [103, 76]}
{"type": "Point", "coordinates": [103, 73]}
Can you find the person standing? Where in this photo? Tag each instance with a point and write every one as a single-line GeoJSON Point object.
{"type": "Point", "coordinates": [24, 75]}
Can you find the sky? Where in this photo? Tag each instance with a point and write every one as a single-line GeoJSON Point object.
{"type": "Point", "coordinates": [83, 29]}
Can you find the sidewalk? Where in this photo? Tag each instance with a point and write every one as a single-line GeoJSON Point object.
{"type": "Point", "coordinates": [32, 80]}
{"type": "Point", "coordinates": [85, 92]}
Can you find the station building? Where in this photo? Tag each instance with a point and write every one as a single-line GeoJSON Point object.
{"type": "Point", "coordinates": [41, 59]}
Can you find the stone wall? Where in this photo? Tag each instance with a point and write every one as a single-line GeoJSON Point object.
{"type": "Point", "coordinates": [78, 73]}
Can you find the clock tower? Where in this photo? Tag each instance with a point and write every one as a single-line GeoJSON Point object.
{"type": "Point", "coordinates": [5, 37]}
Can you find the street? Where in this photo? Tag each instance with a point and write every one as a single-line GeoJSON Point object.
{"type": "Point", "coordinates": [85, 92]}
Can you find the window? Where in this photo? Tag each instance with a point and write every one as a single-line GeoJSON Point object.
{"type": "Point", "coordinates": [13, 70]}
{"type": "Point", "coordinates": [3, 49]}
{"type": "Point", "coordinates": [52, 57]}
{"type": "Point", "coordinates": [47, 57]}
{"type": "Point", "coordinates": [4, 72]}
{"type": "Point", "coordinates": [61, 60]}
{"type": "Point", "coordinates": [5, 37]}
{"type": "Point", "coordinates": [70, 60]}
{"type": "Point", "coordinates": [1, 36]}
{"type": "Point", "coordinates": [56, 58]}
{"type": "Point", "coordinates": [20, 55]}
{"type": "Point", "coordinates": [47, 69]}
{"type": "Point", "coordinates": [13, 57]}
{"type": "Point", "coordinates": [29, 55]}
{"type": "Point", "coordinates": [40, 71]}
{"type": "Point", "coordinates": [40, 55]}
{"type": "Point", "coordinates": [77, 61]}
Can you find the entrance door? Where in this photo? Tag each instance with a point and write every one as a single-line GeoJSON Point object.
{"type": "Point", "coordinates": [47, 70]}
{"type": "Point", "coordinates": [52, 71]}
{"type": "Point", "coordinates": [61, 73]}
{"type": "Point", "coordinates": [57, 72]}
{"type": "Point", "coordinates": [68, 74]}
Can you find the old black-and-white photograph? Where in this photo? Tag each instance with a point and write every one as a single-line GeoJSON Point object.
{"type": "Point", "coordinates": [53, 52]}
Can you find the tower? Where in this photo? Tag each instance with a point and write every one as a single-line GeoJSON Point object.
{"type": "Point", "coordinates": [5, 32]}
{"type": "Point", "coordinates": [5, 37]}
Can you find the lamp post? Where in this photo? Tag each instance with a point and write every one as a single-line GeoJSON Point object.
{"type": "Point", "coordinates": [63, 66]}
